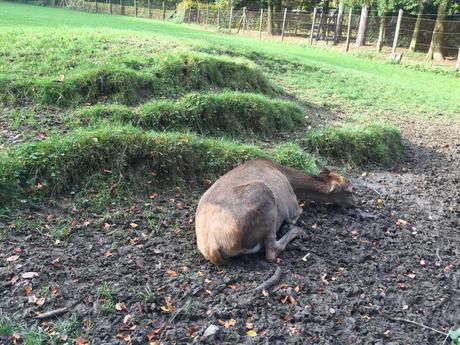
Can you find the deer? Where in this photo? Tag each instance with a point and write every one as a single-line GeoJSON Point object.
{"type": "Point", "coordinates": [242, 212]}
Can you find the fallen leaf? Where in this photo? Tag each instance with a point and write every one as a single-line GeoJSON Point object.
{"type": "Point", "coordinates": [200, 274]}
{"type": "Point", "coordinates": [249, 325]}
{"type": "Point", "coordinates": [207, 281]}
{"type": "Point", "coordinates": [29, 275]}
{"type": "Point", "coordinates": [251, 333]}
{"type": "Point", "coordinates": [402, 286]}
{"type": "Point", "coordinates": [283, 286]}
{"type": "Point", "coordinates": [28, 289]}
{"type": "Point", "coordinates": [55, 292]}
{"type": "Point", "coordinates": [297, 289]}
{"type": "Point", "coordinates": [16, 338]}
{"type": "Point", "coordinates": [422, 263]}
{"type": "Point", "coordinates": [411, 275]}
{"type": "Point", "coordinates": [323, 279]}
{"type": "Point", "coordinates": [32, 299]}
{"type": "Point", "coordinates": [133, 225]}
{"type": "Point", "coordinates": [12, 258]}
{"type": "Point", "coordinates": [284, 299]}
{"type": "Point", "coordinates": [402, 222]}
{"type": "Point", "coordinates": [228, 324]}
{"type": "Point", "coordinates": [265, 293]}
{"type": "Point", "coordinates": [387, 333]}
{"type": "Point", "coordinates": [106, 226]}
{"type": "Point", "coordinates": [40, 301]}
{"type": "Point", "coordinates": [108, 253]}
{"type": "Point", "coordinates": [171, 273]}
{"type": "Point", "coordinates": [14, 279]}
{"type": "Point", "coordinates": [120, 306]}
{"type": "Point", "coordinates": [191, 329]}
{"type": "Point", "coordinates": [231, 286]}
{"type": "Point", "coordinates": [288, 318]}
{"type": "Point", "coordinates": [127, 319]}
{"type": "Point", "coordinates": [86, 324]}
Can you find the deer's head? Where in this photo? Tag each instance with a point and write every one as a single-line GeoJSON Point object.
{"type": "Point", "coordinates": [340, 192]}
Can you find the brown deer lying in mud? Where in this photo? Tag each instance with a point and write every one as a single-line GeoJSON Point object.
{"type": "Point", "coordinates": [244, 209]}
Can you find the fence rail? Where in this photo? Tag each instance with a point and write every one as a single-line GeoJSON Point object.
{"type": "Point", "coordinates": [314, 26]}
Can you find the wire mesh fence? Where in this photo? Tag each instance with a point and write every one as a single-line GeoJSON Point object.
{"type": "Point", "coordinates": [414, 33]}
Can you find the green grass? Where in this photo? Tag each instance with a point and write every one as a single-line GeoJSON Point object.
{"type": "Point", "coordinates": [59, 163]}
{"type": "Point", "coordinates": [325, 78]}
{"type": "Point", "coordinates": [377, 143]}
{"type": "Point", "coordinates": [165, 76]}
{"type": "Point", "coordinates": [233, 114]}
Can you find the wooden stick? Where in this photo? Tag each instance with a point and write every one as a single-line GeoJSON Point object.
{"type": "Point", "coordinates": [260, 22]}
{"type": "Point", "coordinates": [313, 25]}
{"type": "Point", "coordinates": [418, 324]}
{"type": "Point", "coordinates": [218, 18]}
{"type": "Point", "coordinates": [398, 26]}
{"type": "Point", "coordinates": [52, 313]}
{"type": "Point", "coordinates": [347, 44]}
{"type": "Point", "coordinates": [230, 19]}
{"type": "Point", "coordinates": [284, 23]}
{"type": "Point", "coordinates": [275, 278]}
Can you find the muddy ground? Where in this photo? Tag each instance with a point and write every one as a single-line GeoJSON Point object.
{"type": "Point", "coordinates": [350, 280]}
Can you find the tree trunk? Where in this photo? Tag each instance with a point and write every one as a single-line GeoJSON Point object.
{"type": "Point", "coordinates": [435, 51]}
{"type": "Point", "coordinates": [361, 39]}
{"type": "Point", "coordinates": [270, 17]}
{"type": "Point", "coordinates": [381, 39]}
{"type": "Point", "coordinates": [338, 28]}
{"type": "Point", "coordinates": [415, 34]}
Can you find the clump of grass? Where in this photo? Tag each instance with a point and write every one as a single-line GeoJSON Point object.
{"type": "Point", "coordinates": [59, 163]}
{"type": "Point", "coordinates": [235, 114]}
{"type": "Point", "coordinates": [377, 143]}
{"type": "Point", "coordinates": [169, 76]}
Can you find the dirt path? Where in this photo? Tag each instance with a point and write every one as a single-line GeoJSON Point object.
{"type": "Point", "coordinates": [344, 283]}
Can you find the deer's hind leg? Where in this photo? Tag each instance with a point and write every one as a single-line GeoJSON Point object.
{"type": "Point", "coordinates": [274, 247]}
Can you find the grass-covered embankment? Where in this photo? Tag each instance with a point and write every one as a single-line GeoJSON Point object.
{"type": "Point", "coordinates": [59, 163]}
{"type": "Point", "coordinates": [377, 143]}
{"type": "Point", "coordinates": [130, 83]}
{"type": "Point", "coordinates": [233, 114]}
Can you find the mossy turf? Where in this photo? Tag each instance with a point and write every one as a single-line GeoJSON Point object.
{"type": "Point", "coordinates": [233, 114]}
{"type": "Point", "coordinates": [130, 83]}
{"type": "Point", "coordinates": [376, 143]}
{"type": "Point", "coordinates": [60, 163]}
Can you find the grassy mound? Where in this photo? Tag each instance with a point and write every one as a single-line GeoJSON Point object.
{"type": "Point", "coordinates": [377, 143]}
{"type": "Point", "coordinates": [128, 84]}
{"type": "Point", "coordinates": [61, 162]}
{"type": "Point", "coordinates": [229, 113]}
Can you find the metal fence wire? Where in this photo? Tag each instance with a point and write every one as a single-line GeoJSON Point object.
{"type": "Point", "coordinates": [313, 26]}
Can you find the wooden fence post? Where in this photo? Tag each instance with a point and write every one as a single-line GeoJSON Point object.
{"type": "Point", "coordinates": [260, 22]}
{"type": "Point", "coordinates": [207, 15]}
{"type": "Point", "coordinates": [313, 25]}
{"type": "Point", "coordinates": [284, 23]}
{"type": "Point", "coordinates": [398, 26]}
{"type": "Point", "coordinates": [218, 18]}
{"type": "Point", "coordinates": [190, 14]}
{"type": "Point", "coordinates": [164, 11]}
{"type": "Point", "coordinates": [198, 15]}
{"type": "Point", "coordinates": [347, 44]}
{"type": "Point", "coordinates": [96, 7]}
{"type": "Point", "coordinates": [457, 66]}
{"type": "Point", "coordinates": [135, 8]}
{"type": "Point", "coordinates": [244, 20]}
{"type": "Point", "coordinates": [149, 9]}
{"type": "Point", "coordinates": [230, 19]}
{"type": "Point", "coordinates": [338, 26]}
{"type": "Point", "coordinates": [110, 6]}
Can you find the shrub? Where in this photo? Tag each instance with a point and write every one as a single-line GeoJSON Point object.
{"type": "Point", "coordinates": [169, 76]}
{"type": "Point", "coordinates": [229, 113]}
{"type": "Point", "coordinates": [59, 163]}
{"type": "Point", "coordinates": [378, 143]}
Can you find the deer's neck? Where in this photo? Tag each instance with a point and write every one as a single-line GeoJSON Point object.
{"type": "Point", "coordinates": [306, 186]}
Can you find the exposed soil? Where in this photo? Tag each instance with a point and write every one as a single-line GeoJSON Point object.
{"type": "Point", "coordinates": [346, 282]}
